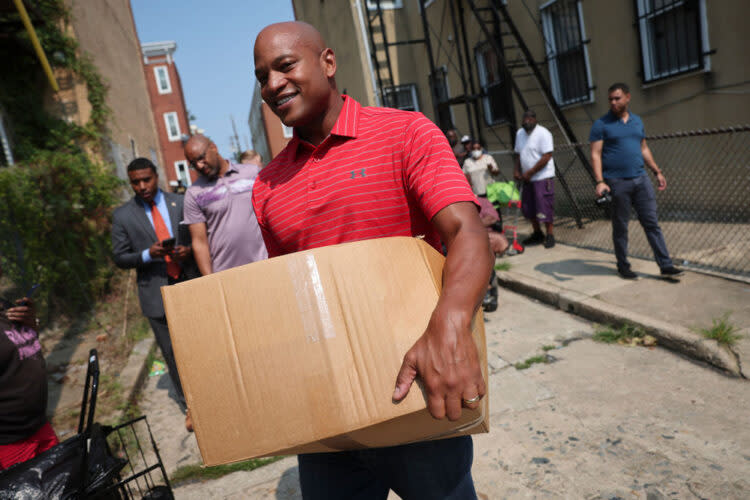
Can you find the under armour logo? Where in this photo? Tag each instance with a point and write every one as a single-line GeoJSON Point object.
{"type": "Point", "coordinates": [356, 173]}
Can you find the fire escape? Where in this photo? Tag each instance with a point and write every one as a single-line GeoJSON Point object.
{"type": "Point", "coordinates": [522, 80]}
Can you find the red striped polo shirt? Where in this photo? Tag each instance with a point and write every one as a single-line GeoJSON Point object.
{"type": "Point", "coordinates": [381, 172]}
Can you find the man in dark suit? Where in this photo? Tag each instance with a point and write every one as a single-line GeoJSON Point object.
{"type": "Point", "coordinates": [146, 235]}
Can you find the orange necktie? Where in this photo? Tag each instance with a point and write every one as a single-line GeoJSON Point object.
{"type": "Point", "coordinates": [162, 233]}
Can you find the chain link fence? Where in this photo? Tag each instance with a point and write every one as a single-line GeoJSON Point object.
{"type": "Point", "coordinates": [704, 213]}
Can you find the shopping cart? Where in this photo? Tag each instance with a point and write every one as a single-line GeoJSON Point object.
{"type": "Point", "coordinates": [508, 194]}
{"type": "Point", "coordinates": [514, 208]}
{"type": "Point", "coordinates": [102, 462]}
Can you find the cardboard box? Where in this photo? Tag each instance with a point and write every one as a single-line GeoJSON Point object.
{"type": "Point", "coordinates": [300, 353]}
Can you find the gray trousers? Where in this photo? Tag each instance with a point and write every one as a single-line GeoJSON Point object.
{"type": "Point", "coordinates": [639, 194]}
{"type": "Point", "coordinates": [161, 332]}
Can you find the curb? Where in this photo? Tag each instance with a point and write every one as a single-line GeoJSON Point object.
{"type": "Point", "coordinates": [673, 337]}
{"type": "Point", "coordinates": [132, 376]}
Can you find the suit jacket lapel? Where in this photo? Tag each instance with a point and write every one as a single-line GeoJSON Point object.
{"type": "Point", "coordinates": [139, 215]}
{"type": "Point", "coordinates": [175, 214]}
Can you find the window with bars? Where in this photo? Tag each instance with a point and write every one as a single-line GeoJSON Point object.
{"type": "Point", "coordinates": [288, 132]}
{"type": "Point", "coordinates": [401, 97]}
{"type": "Point", "coordinates": [162, 80]}
{"type": "Point", "coordinates": [182, 172]}
{"type": "Point", "coordinates": [673, 36]}
{"type": "Point", "coordinates": [173, 126]}
{"type": "Point", "coordinates": [439, 80]}
{"type": "Point", "coordinates": [385, 4]}
{"type": "Point", "coordinates": [496, 103]}
{"type": "Point", "coordinates": [567, 54]}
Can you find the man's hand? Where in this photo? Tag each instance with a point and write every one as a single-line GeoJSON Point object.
{"type": "Point", "coordinates": [661, 181]}
{"type": "Point", "coordinates": [445, 356]}
{"type": "Point", "coordinates": [601, 188]}
{"type": "Point", "coordinates": [24, 313]}
{"type": "Point", "coordinates": [182, 252]}
{"type": "Point", "coordinates": [157, 250]}
{"type": "Point", "coordinates": [447, 361]}
{"type": "Point", "coordinates": [528, 175]}
{"type": "Point", "coordinates": [517, 175]}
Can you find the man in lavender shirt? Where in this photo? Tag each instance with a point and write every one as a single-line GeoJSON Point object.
{"type": "Point", "coordinates": [219, 210]}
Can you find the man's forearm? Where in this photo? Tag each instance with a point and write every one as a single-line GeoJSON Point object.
{"type": "Point", "coordinates": [596, 166]}
{"type": "Point", "coordinates": [202, 257]}
{"type": "Point", "coordinates": [466, 273]}
{"type": "Point", "coordinates": [648, 158]}
{"type": "Point", "coordinates": [541, 163]}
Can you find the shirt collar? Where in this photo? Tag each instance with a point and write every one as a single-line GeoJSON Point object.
{"type": "Point", "coordinates": [157, 199]}
{"type": "Point", "coordinates": [347, 123]}
{"type": "Point", "coordinates": [232, 168]}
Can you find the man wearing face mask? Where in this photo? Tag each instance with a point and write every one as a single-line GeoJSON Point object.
{"type": "Point", "coordinates": [536, 168]}
{"type": "Point", "coordinates": [479, 169]}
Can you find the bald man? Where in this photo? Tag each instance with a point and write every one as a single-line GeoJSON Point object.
{"type": "Point", "coordinates": [352, 173]}
{"type": "Point", "coordinates": [223, 227]}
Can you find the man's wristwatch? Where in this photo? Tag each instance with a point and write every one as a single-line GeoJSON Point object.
{"type": "Point", "coordinates": [600, 182]}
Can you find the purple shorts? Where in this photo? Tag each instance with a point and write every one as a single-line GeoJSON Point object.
{"type": "Point", "coordinates": [538, 200]}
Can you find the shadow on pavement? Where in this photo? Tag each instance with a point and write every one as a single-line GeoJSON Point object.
{"type": "Point", "coordinates": [289, 487]}
{"type": "Point", "coordinates": [165, 382]}
{"type": "Point", "coordinates": [566, 270]}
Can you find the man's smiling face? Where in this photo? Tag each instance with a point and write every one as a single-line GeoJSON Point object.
{"type": "Point", "coordinates": [293, 73]}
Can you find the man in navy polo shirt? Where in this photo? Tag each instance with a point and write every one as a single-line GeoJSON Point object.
{"type": "Point", "coordinates": [618, 154]}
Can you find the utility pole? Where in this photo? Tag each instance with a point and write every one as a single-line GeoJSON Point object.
{"type": "Point", "coordinates": [235, 140]}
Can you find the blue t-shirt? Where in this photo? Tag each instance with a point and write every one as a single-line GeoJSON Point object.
{"type": "Point", "coordinates": [621, 151]}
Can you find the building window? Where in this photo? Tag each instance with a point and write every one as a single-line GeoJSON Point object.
{"type": "Point", "coordinates": [183, 174]}
{"type": "Point", "coordinates": [287, 131]}
{"type": "Point", "coordinates": [445, 114]}
{"type": "Point", "coordinates": [495, 101]}
{"type": "Point", "coordinates": [173, 126]}
{"type": "Point", "coordinates": [163, 84]}
{"type": "Point", "coordinates": [401, 97]}
{"type": "Point", "coordinates": [567, 54]}
{"type": "Point", "coordinates": [385, 4]}
{"type": "Point", "coordinates": [674, 37]}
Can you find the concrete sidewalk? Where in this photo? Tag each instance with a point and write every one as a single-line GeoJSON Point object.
{"type": "Point", "coordinates": [585, 282]}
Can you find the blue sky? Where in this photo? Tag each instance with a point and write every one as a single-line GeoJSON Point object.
{"type": "Point", "coordinates": [214, 54]}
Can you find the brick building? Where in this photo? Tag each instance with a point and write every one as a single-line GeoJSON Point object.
{"type": "Point", "coordinates": [270, 136]}
{"type": "Point", "coordinates": [168, 106]}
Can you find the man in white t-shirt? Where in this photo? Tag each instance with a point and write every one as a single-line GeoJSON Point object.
{"type": "Point", "coordinates": [536, 168]}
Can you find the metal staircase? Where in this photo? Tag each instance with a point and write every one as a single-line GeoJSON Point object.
{"type": "Point", "coordinates": [527, 83]}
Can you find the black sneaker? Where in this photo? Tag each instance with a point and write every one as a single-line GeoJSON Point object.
{"type": "Point", "coordinates": [549, 242]}
{"type": "Point", "coordinates": [627, 274]}
{"type": "Point", "coordinates": [671, 272]}
{"type": "Point", "coordinates": [534, 239]}
{"type": "Point", "coordinates": [489, 303]}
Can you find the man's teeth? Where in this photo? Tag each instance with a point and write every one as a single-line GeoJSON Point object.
{"type": "Point", "coordinates": [284, 100]}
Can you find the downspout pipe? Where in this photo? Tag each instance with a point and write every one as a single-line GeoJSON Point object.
{"type": "Point", "coordinates": [37, 46]}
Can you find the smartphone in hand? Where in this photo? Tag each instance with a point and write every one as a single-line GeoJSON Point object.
{"type": "Point", "coordinates": [168, 243]}
{"type": "Point", "coordinates": [29, 294]}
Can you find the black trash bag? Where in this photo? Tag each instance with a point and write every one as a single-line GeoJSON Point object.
{"type": "Point", "coordinates": [103, 468]}
{"type": "Point", "coordinates": [159, 493]}
{"type": "Point", "coordinates": [56, 474]}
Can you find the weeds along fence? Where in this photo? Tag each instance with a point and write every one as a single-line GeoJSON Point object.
{"type": "Point", "coordinates": [704, 213]}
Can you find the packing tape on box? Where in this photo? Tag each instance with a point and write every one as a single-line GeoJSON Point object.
{"type": "Point", "coordinates": [311, 300]}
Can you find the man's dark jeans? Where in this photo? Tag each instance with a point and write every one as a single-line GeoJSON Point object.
{"type": "Point", "coordinates": [638, 193]}
{"type": "Point", "coordinates": [432, 470]}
